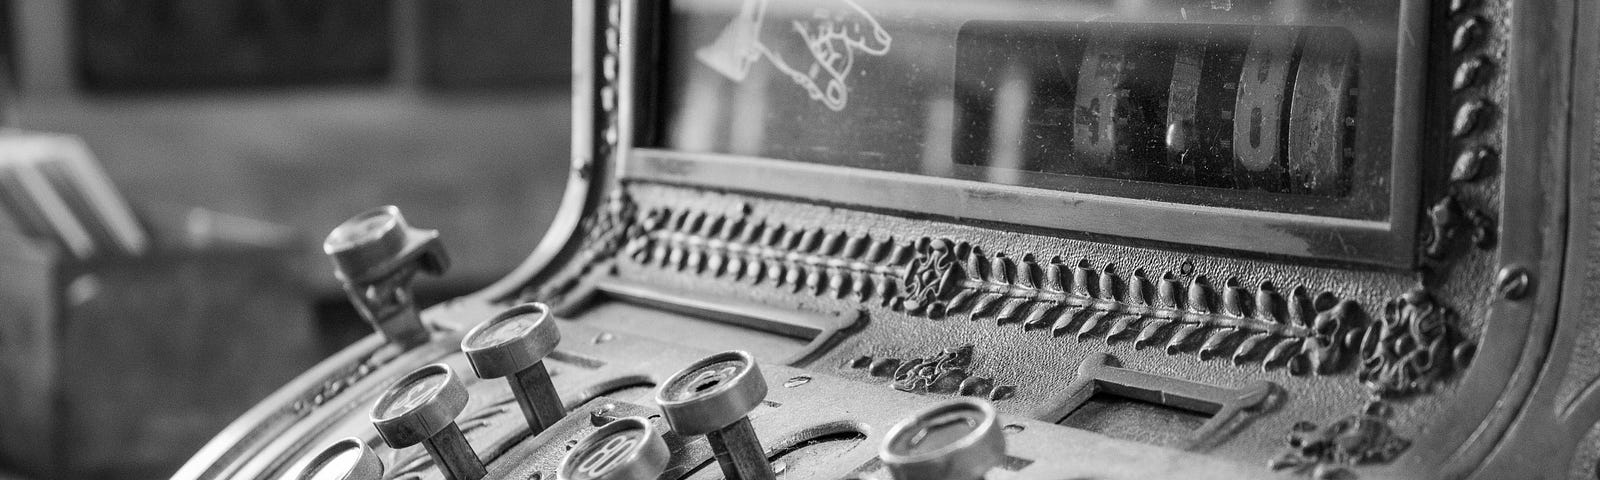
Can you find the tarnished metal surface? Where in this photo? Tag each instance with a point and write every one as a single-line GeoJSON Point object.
{"type": "Point", "coordinates": [1433, 330]}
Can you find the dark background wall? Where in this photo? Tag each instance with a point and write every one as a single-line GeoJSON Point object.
{"type": "Point", "coordinates": [297, 113]}
{"type": "Point", "coordinates": [303, 112]}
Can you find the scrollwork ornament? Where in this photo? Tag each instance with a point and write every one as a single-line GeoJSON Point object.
{"type": "Point", "coordinates": [929, 278]}
{"type": "Point", "coordinates": [1412, 347]}
{"type": "Point", "coordinates": [948, 372]}
{"type": "Point", "coordinates": [1325, 452]}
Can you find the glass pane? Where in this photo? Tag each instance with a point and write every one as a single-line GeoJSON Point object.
{"type": "Point", "coordinates": [1267, 105]}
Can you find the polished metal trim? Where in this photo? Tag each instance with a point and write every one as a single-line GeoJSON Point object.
{"type": "Point", "coordinates": [581, 194]}
{"type": "Point", "coordinates": [1358, 241]}
{"type": "Point", "coordinates": [1384, 244]}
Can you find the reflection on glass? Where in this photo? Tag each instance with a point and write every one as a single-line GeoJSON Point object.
{"type": "Point", "coordinates": [1272, 105]}
{"type": "Point", "coordinates": [1204, 105]}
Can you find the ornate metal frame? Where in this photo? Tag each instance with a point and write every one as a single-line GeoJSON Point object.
{"type": "Point", "coordinates": [1482, 272]}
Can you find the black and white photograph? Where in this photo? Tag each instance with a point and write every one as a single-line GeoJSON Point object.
{"type": "Point", "coordinates": [799, 239]}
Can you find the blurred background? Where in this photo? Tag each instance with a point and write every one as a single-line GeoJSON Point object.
{"type": "Point", "coordinates": [168, 171]}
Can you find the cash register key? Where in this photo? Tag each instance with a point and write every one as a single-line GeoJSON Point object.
{"type": "Point", "coordinates": [421, 408]}
{"type": "Point", "coordinates": [625, 449]}
{"type": "Point", "coordinates": [347, 459]}
{"type": "Point", "coordinates": [955, 440]}
{"type": "Point", "coordinates": [714, 397]}
{"type": "Point", "coordinates": [375, 255]}
{"type": "Point", "coordinates": [513, 345]}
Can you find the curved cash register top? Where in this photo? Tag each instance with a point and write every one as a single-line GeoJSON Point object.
{"type": "Point", "coordinates": [1189, 241]}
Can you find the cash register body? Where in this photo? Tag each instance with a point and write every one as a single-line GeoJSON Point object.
{"type": "Point", "coordinates": [1413, 302]}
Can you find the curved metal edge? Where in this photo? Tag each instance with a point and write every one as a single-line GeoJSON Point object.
{"type": "Point", "coordinates": [582, 193]}
{"type": "Point", "coordinates": [253, 428]}
{"type": "Point", "coordinates": [1533, 234]}
{"type": "Point", "coordinates": [260, 425]}
{"type": "Point", "coordinates": [1541, 436]}
{"type": "Point", "coordinates": [1585, 407]}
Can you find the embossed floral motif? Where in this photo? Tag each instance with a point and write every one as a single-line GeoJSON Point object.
{"type": "Point", "coordinates": [1359, 439]}
{"type": "Point", "coordinates": [947, 372]}
{"type": "Point", "coordinates": [929, 277]}
{"type": "Point", "coordinates": [1413, 347]}
{"type": "Point", "coordinates": [1449, 217]}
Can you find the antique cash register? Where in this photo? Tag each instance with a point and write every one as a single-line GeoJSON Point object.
{"type": "Point", "coordinates": [1008, 239]}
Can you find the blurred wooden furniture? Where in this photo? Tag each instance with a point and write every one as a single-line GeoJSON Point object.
{"type": "Point", "coordinates": [121, 366]}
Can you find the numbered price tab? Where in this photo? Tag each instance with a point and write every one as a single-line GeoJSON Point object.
{"type": "Point", "coordinates": [625, 449]}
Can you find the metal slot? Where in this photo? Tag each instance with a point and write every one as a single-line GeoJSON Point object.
{"type": "Point", "coordinates": [816, 328]}
{"type": "Point", "coordinates": [1134, 419]}
{"type": "Point", "coordinates": [1111, 391]}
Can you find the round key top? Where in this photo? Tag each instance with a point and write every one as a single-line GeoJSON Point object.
{"type": "Point", "coordinates": [625, 449]}
{"type": "Point", "coordinates": [955, 440]}
{"type": "Point", "coordinates": [422, 408]}
{"type": "Point", "coordinates": [714, 397]}
{"type": "Point", "coordinates": [367, 241]}
{"type": "Point", "coordinates": [712, 393]}
{"type": "Point", "coordinates": [347, 459]}
{"type": "Point", "coordinates": [375, 256]}
{"type": "Point", "coordinates": [513, 345]}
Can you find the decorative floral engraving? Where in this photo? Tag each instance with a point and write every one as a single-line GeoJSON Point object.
{"type": "Point", "coordinates": [812, 260]}
{"type": "Point", "coordinates": [1413, 347]}
{"type": "Point", "coordinates": [946, 372]}
{"type": "Point", "coordinates": [1354, 440]}
{"type": "Point", "coordinates": [930, 278]}
{"type": "Point", "coordinates": [1448, 218]}
{"type": "Point", "coordinates": [1297, 331]}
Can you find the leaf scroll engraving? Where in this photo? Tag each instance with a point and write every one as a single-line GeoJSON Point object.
{"type": "Point", "coordinates": [740, 248]}
{"type": "Point", "coordinates": [1295, 330]}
